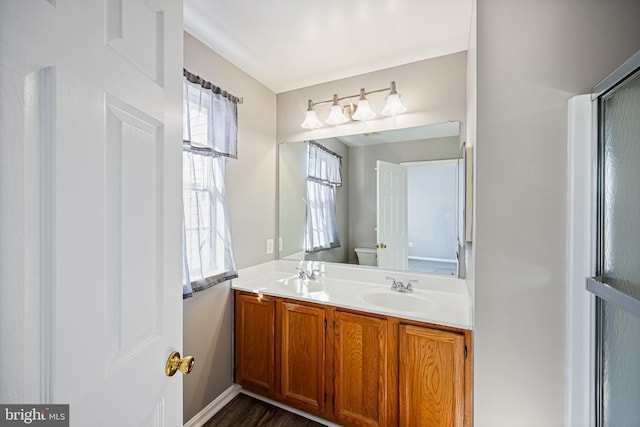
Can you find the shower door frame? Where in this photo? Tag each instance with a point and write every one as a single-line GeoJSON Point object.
{"type": "Point", "coordinates": [595, 285]}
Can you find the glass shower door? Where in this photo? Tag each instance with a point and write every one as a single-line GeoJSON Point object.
{"type": "Point", "coordinates": [617, 285]}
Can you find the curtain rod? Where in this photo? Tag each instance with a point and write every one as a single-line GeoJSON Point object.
{"type": "Point", "coordinates": [323, 148]}
{"type": "Point", "coordinates": [208, 85]}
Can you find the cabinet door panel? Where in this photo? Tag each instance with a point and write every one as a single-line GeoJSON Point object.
{"type": "Point", "coordinates": [255, 348]}
{"type": "Point", "coordinates": [431, 377]}
{"type": "Point", "coordinates": [302, 356]}
{"type": "Point", "coordinates": [360, 370]}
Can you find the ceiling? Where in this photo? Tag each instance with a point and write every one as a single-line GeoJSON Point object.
{"type": "Point", "coordinates": [289, 44]}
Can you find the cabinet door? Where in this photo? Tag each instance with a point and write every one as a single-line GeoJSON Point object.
{"type": "Point", "coordinates": [302, 361]}
{"type": "Point", "coordinates": [255, 348]}
{"type": "Point", "coordinates": [431, 377]}
{"type": "Point", "coordinates": [360, 362]}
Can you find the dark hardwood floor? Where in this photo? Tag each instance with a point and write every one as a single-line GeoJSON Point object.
{"type": "Point", "coordinates": [245, 411]}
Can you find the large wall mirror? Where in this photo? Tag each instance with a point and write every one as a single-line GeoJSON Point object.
{"type": "Point", "coordinates": [392, 199]}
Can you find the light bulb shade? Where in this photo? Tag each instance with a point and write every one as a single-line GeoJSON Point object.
{"type": "Point", "coordinates": [336, 116]}
{"type": "Point", "coordinates": [393, 106]}
{"type": "Point", "coordinates": [311, 120]}
{"type": "Point", "coordinates": [363, 111]}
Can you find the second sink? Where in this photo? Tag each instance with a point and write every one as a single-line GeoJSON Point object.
{"type": "Point", "coordinates": [400, 301]}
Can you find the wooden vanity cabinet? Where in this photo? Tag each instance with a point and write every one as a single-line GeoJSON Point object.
{"type": "Point", "coordinates": [255, 343]}
{"type": "Point", "coordinates": [354, 368]}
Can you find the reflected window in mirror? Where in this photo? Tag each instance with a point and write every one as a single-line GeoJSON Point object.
{"type": "Point", "coordinates": [324, 176]}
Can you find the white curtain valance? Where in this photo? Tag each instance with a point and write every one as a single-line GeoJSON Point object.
{"type": "Point", "coordinates": [210, 120]}
{"type": "Point", "coordinates": [323, 165]}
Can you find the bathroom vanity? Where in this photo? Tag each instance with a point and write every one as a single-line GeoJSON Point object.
{"type": "Point", "coordinates": [354, 351]}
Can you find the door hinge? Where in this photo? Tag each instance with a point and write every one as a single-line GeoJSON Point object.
{"type": "Point", "coordinates": [465, 351]}
{"type": "Point", "coordinates": [325, 323]}
{"type": "Point", "coordinates": [334, 324]}
{"type": "Point", "coordinates": [325, 396]}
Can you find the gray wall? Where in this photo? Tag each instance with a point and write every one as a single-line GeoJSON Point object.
{"type": "Point", "coordinates": [532, 57]}
{"type": "Point", "coordinates": [208, 316]}
{"type": "Point", "coordinates": [434, 91]}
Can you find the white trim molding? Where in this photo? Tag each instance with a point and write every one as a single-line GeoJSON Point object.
{"type": "Point", "coordinates": [579, 323]}
{"type": "Point", "coordinates": [214, 407]}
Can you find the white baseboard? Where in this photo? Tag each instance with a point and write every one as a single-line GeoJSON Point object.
{"type": "Point", "coordinates": [212, 408]}
{"type": "Point", "coordinates": [423, 258]}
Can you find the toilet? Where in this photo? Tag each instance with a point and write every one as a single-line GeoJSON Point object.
{"type": "Point", "coordinates": [367, 256]}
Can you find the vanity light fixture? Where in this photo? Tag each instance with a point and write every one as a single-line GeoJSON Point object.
{"type": "Point", "coordinates": [393, 105]}
{"type": "Point", "coordinates": [362, 111]}
{"type": "Point", "coordinates": [311, 120]}
{"type": "Point", "coordinates": [336, 116]}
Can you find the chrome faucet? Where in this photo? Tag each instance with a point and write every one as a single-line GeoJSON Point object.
{"type": "Point", "coordinates": [303, 274]}
{"type": "Point", "coordinates": [401, 287]}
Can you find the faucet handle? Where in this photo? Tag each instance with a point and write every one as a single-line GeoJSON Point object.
{"type": "Point", "coordinates": [394, 285]}
{"type": "Point", "coordinates": [409, 288]}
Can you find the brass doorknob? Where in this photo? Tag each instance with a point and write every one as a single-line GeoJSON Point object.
{"type": "Point", "coordinates": [381, 246]}
{"type": "Point", "coordinates": [175, 363]}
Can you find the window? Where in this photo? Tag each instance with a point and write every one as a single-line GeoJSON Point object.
{"type": "Point", "coordinates": [209, 139]}
{"type": "Point", "coordinates": [324, 174]}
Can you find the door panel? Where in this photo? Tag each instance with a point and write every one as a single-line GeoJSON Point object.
{"type": "Point", "coordinates": [255, 343]}
{"type": "Point", "coordinates": [620, 373]}
{"type": "Point", "coordinates": [392, 221]}
{"type": "Point", "coordinates": [360, 369]}
{"type": "Point", "coordinates": [95, 198]}
{"type": "Point", "coordinates": [431, 377]}
{"type": "Point", "coordinates": [302, 362]}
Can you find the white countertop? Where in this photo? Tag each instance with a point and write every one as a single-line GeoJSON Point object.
{"type": "Point", "coordinates": [435, 299]}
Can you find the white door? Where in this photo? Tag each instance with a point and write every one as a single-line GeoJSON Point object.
{"type": "Point", "coordinates": [393, 241]}
{"type": "Point", "coordinates": [90, 199]}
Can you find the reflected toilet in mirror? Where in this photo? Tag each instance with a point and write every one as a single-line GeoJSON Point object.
{"type": "Point", "coordinates": [367, 256]}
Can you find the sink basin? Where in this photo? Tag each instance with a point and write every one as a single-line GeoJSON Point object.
{"type": "Point", "coordinates": [300, 286]}
{"type": "Point", "coordinates": [400, 301]}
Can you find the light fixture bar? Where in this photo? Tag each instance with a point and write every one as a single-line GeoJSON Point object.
{"type": "Point", "coordinates": [393, 106]}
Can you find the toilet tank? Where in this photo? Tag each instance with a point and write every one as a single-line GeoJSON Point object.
{"type": "Point", "coordinates": [367, 256]}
